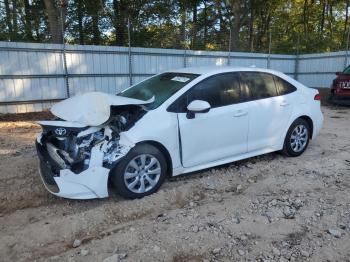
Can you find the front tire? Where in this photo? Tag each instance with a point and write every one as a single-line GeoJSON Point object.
{"type": "Point", "coordinates": [140, 173]}
{"type": "Point", "coordinates": [297, 138]}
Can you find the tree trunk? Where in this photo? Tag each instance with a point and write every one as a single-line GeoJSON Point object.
{"type": "Point", "coordinates": [8, 19]}
{"type": "Point", "coordinates": [236, 10]}
{"type": "Point", "coordinates": [331, 21]}
{"type": "Point", "coordinates": [345, 33]}
{"type": "Point", "coordinates": [205, 24]}
{"type": "Point", "coordinates": [323, 16]}
{"type": "Point", "coordinates": [80, 21]}
{"type": "Point", "coordinates": [222, 28]}
{"type": "Point", "coordinates": [194, 25]}
{"type": "Point", "coordinates": [28, 21]}
{"type": "Point", "coordinates": [251, 27]}
{"type": "Point", "coordinates": [120, 22]}
{"type": "Point", "coordinates": [304, 17]}
{"type": "Point", "coordinates": [95, 29]}
{"type": "Point", "coordinates": [183, 21]}
{"type": "Point", "coordinates": [55, 25]}
{"type": "Point", "coordinates": [14, 19]}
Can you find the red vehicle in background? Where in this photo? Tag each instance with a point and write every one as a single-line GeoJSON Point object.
{"type": "Point", "coordinates": [340, 88]}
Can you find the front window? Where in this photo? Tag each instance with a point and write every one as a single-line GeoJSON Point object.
{"type": "Point", "coordinates": [161, 86]}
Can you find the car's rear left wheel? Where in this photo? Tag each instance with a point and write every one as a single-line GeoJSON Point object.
{"type": "Point", "coordinates": [297, 138]}
{"type": "Point", "coordinates": [140, 173]}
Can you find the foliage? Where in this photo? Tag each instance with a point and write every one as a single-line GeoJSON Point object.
{"type": "Point", "coordinates": [295, 26]}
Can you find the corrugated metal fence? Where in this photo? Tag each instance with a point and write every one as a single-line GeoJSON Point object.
{"type": "Point", "coordinates": [33, 76]}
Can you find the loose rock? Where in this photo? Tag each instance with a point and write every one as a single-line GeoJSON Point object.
{"type": "Point", "coordinates": [195, 229]}
{"type": "Point", "coordinates": [276, 252]}
{"type": "Point", "coordinates": [289, 212]}
{"type": "Point", "coordinates": [156, 248]}
{"type": "Point", "coordinates": [240, 252]}
{"type": "Point", "coordinates": [84, 252]}
{"type": "Point", "coordinates": [334, 232]}
{"type": "Point", "coordinates": [76, 243]}
{"type": "Point", "coordinates": [304, 253]}
{"type": "Point", "coordinates": [217, 250]}
{"type": "Point", "coordinates": [115, 257]}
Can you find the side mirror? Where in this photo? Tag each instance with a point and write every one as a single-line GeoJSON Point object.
{"type": "Point", "coordinates": [197, 106]}
{"type": "Point", "coordinates": [338, 73]}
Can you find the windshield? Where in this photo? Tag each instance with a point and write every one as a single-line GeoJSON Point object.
{"type": "Point", "coordinates": [347, 71]}
{"type": "Point", "coordinates": [161, 86]}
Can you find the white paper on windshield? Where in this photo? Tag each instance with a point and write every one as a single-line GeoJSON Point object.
{"type": "Point", "coordinates": [180, 79]}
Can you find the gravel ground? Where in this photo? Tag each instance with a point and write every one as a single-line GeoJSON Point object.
{"type": "Point", "coordinates": [267, 208]}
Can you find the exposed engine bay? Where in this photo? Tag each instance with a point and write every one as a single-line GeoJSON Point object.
{"type": "Point", "coordinates": [69, 149]}
{"type": "Point", "coordinates": [74, 145]}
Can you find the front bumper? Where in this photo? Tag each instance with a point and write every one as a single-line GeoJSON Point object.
{"type": "Point", "coordinates": [90, 183]}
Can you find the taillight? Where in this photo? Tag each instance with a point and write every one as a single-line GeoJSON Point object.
{"type": "Point", "coordinates": [317, 97]}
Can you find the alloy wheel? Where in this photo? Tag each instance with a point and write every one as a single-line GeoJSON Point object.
{"type": "Point", "coordinates": [299, 138]}
{"type": "Point", "coordinates": [142, 173]}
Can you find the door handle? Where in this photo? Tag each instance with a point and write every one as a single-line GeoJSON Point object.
{"type": "Point", "coordinates": [284, 103]}
{"type": "Point", "coordinates": [240, 113]}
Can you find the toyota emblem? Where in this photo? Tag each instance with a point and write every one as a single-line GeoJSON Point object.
{"type": "Point", "coordinates": [60, 131]}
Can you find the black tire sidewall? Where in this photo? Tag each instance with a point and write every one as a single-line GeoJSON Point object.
{"type": "Point", "coordinates": [117, 174]}
{"type": "Point", "coordinates": [287, 149]}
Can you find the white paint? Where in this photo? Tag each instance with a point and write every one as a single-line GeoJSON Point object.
{"type": "Point", "coordinates": [221, 135]}
{"type": "Point", "coordinates": [61, 124]}
{"type": "Point", "coordinates": [91, 109]}
{"type": "Point", "coordinates": [198, 106]}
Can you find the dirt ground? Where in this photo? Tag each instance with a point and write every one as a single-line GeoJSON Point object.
{"type": "Point", "coordinates": [267, 208]}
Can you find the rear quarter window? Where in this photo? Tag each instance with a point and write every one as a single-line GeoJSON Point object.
{"type": "Point", "coordinates": [283, 86]}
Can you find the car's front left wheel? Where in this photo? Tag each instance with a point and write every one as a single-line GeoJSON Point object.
{"type": "Point", "coordinates": [140, 173]}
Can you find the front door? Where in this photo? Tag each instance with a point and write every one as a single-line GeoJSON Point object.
{"type": "Point", "coordinates": [220, 133]}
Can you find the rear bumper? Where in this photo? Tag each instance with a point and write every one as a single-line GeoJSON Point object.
{"type": "Point", "coordinates": [340, 93]}
{"type": "Point", "coordinates": [341, 100]}
{"type": "Point", "coordinates": [90, 183]}
{"type": "Point", "coordinates": [317, 124]}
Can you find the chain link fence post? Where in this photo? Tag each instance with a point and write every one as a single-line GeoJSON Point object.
{"type": "Point", "coordinates": [229, 49]}
{"type": "Point", "coordinates": [185, 49]}
{"type": "Point", "coordinates": [269, 55]}
{"type": "Point", "coordinates": [64, 55]}
{"type": "Point", "coordinates": [347, 49]}
{"type": "Point", "coordinates": [296, 61]}
{"type": "Point", "coordinates": [129, 53]}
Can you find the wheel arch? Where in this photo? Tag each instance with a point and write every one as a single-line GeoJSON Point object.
{"type": "Point", "coordinates": [310, 123]}
{"type": "Point", "coordinates": [307, 118]}
{"type": "Point", "coordinates": [164, 151]}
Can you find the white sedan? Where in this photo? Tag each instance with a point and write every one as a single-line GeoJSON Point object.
{"type": "Point", "coordinates": [173, 123]}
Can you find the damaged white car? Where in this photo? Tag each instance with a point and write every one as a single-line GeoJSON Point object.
{"type": "Point", "coordinates": [173, 123]}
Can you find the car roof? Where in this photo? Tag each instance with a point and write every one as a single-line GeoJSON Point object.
{"type": "Point", "coordinates": [210, 70]}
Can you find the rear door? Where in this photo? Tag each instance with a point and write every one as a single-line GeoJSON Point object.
{"type": "Point", "coordinates": [269, 111]}
{"type": "Point", "coordinates": [220, 133]}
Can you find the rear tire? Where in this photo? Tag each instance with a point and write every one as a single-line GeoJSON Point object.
{"type": "Point", "coordinates": [297, 138]}
{"type": "Point", "coordinates": [140, 173]}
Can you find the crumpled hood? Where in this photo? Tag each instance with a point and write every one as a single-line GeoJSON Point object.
{"type": "Point", "coordinates": [92, 109]}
